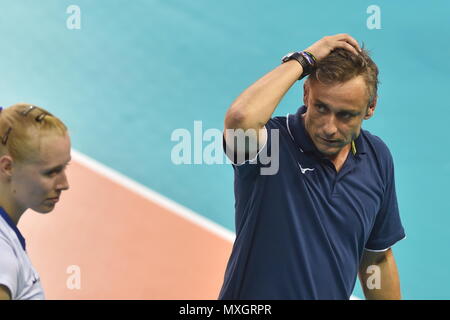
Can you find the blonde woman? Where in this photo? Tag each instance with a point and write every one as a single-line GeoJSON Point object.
{"type": "Point", "coordinates": [34, 153]}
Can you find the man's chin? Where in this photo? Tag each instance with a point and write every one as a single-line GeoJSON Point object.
{"type": "Point", "coordinates": [330, 151]}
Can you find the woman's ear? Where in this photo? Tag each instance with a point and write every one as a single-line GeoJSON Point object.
{"type": "Point", "coordinates": [6, 166]}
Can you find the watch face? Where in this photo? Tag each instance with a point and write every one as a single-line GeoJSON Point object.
{"type": "Point", "coordinates": [286, 57]}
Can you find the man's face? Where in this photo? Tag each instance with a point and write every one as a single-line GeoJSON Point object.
{"type": "Point", "coordinates": [335, 113]}
{"type": "Point", "coordinates": [38, 183]}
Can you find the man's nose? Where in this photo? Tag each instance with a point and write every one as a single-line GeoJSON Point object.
{"type": "Point", "coordinates": [330, 128]}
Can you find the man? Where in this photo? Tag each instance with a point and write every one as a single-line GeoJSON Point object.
{"type": "Point", "coordinates": [330, 210]}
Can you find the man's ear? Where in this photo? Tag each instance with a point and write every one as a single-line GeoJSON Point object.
{"type": "Point", "coordinates": [371, 109]}
{"type": "Point", "coordinates": [6, 163]}
{"type": "Point", "coordinates": [305, 92]}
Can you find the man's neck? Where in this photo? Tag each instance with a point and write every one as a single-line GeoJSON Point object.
{"type": "Point", "coordinates": [339, 159]}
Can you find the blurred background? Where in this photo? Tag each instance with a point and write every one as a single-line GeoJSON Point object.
{"type": "Point", "coordinates": [126, 77]}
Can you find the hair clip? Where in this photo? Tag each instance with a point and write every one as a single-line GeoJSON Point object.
{"type": "Point", "coordinates": [40, 117]}
{"type": "Point", "coordinates": [5, 137]}
{"type": "Point", "coordinates": [27, 111]}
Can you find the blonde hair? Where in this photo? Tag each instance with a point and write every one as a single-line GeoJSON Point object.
{"type": "Point", "coordinates": [342, 65]}
{"type": "Point", "coordinates": [21, 125]}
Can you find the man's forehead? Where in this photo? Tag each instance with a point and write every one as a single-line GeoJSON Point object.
{"type": "Point", "coordinates": [338, 107]}
{"type": "Point", "coordinates": [340, 98]}
{"type": "Point", "coordinates": [351, 92]}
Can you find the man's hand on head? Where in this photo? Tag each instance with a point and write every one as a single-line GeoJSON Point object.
{"type": "Point", "coordinates": [324, 46]}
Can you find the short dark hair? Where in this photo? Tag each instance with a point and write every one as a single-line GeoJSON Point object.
{"type": "Point", "coordinates": [342, 65]}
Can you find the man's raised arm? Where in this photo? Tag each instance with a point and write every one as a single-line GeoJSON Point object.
{"type": "Point", "coordinates": [254, 107]}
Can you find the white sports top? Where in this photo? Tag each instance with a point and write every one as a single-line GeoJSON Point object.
{"type": "Point", "coordinates": [16, 271]}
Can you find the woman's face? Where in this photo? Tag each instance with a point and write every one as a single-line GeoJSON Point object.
{"type": "Point", "coordinates": [37, 183]}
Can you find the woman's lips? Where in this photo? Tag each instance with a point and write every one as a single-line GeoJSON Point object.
{"type": "Point", "coordinates": [54, 200]}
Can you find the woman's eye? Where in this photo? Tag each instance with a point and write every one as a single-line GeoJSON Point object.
{"type": "Point", "coordinates": [52, 173]}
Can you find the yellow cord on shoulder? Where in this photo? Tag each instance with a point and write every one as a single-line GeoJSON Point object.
{"type": "Point", "coordinates": [353, 148]}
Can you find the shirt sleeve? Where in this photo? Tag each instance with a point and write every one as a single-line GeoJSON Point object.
{"type": "Point", "coordinates": [387, 229]}
{"type": "Point", "coordinates": [9, 267]}
{"type": "Point", "coordinates": [263, 163]}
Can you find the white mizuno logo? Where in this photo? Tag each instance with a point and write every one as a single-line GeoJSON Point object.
{"type": "Point", "coordinates": [305, 169]}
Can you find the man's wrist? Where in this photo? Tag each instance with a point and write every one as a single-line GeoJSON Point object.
{"type": "Point", "coordinates": [304, 58]}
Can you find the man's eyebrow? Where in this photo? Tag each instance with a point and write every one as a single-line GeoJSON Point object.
{"type": "Point", "coordinates": [353, 112]}
{"type": "Point", "coordinates": [322, 103]}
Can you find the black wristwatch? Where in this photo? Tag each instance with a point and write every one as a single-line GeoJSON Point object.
{"type": "Point", "coordinates": [306, 65]}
